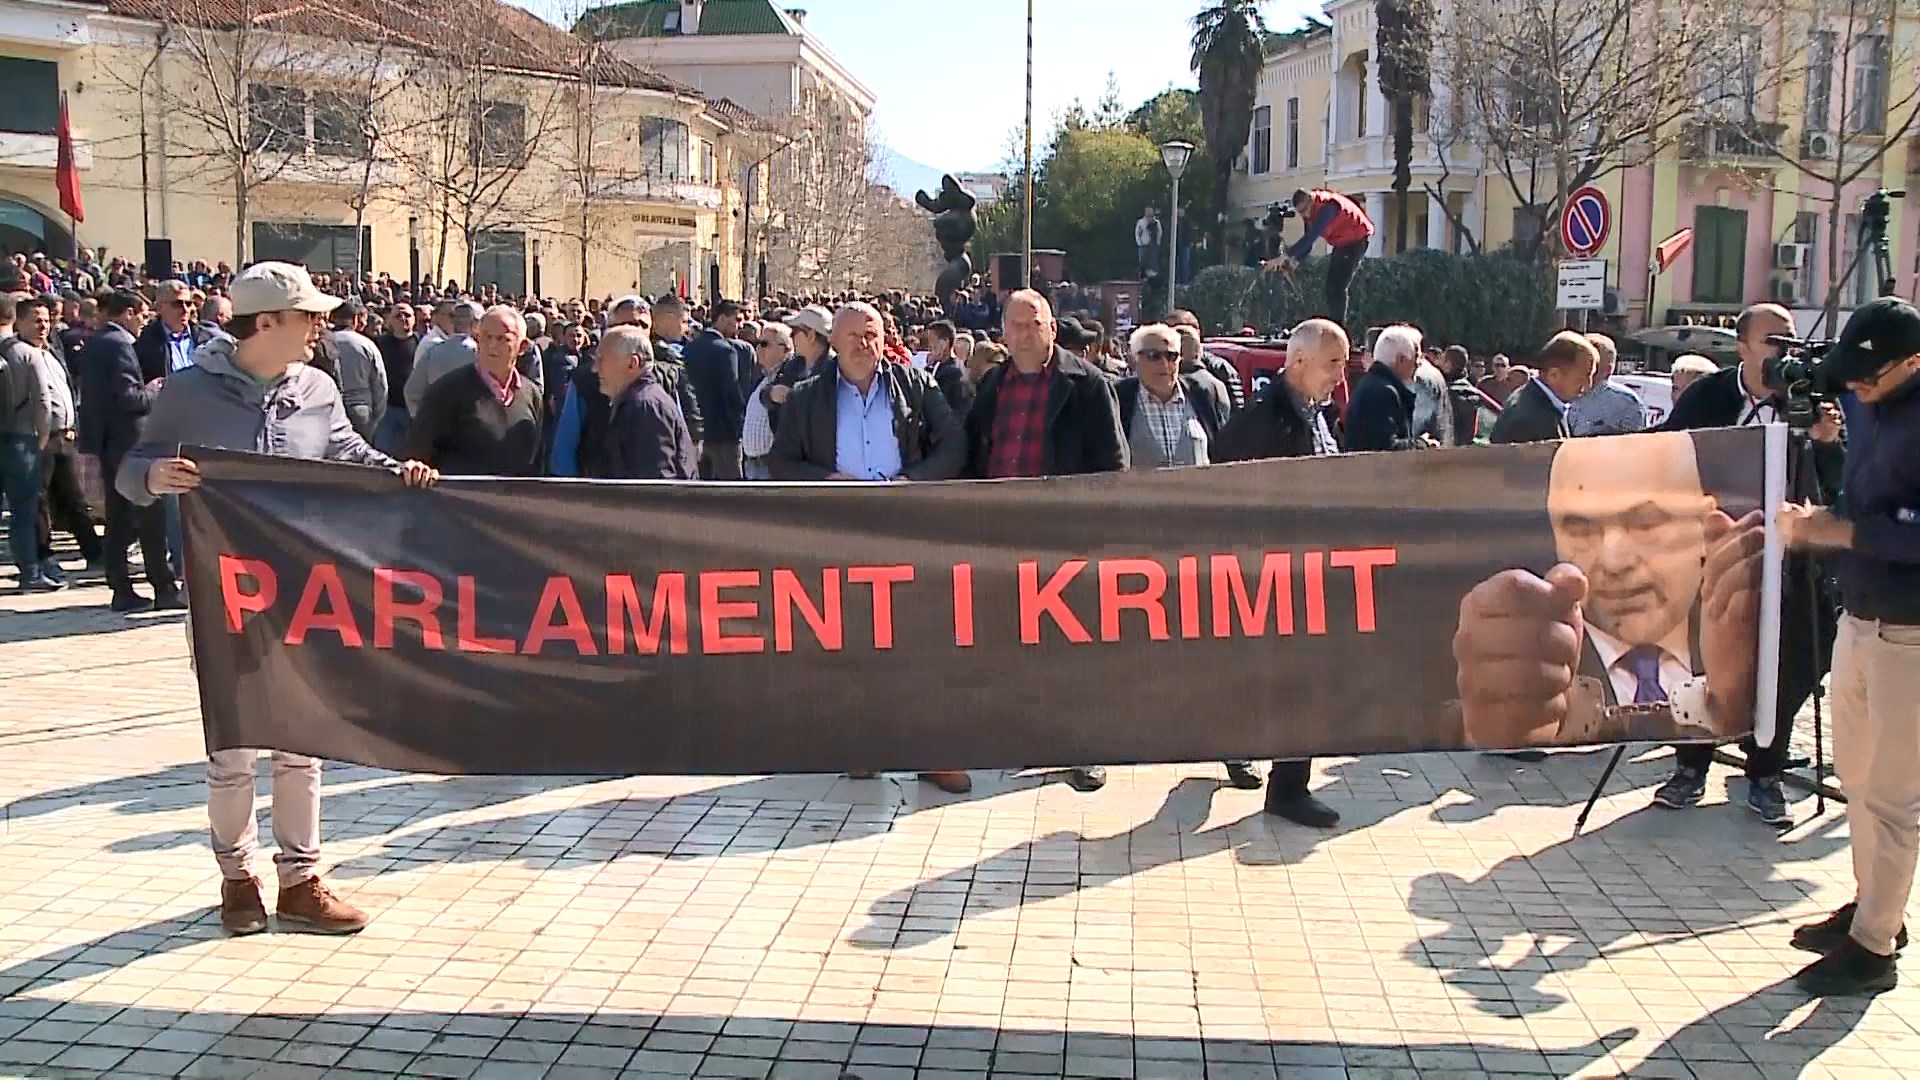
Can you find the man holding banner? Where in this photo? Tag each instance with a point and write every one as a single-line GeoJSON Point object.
{"type": "Point", "coordinates": [254, 392]}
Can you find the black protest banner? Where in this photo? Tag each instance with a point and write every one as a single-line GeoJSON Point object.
{"type": "Point", "coordinates": [1359, 604]}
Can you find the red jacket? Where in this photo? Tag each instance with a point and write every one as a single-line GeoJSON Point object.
{"type": "Point", "coordinates": [1350, 224]}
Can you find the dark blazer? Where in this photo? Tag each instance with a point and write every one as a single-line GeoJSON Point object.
{"type": "Point", "coordinates": [1380, 412]}
{"type": "Point", "coordinates": [1221, 368]}
{"type": "Point", "coordinates": [720, 371]}
{"type": "Point", "coordinates": [1277, 423]}
{"type": "Point", "coordinates": [151, 348]}
{"type": "Point", "coordinates": [1083, 420]}
{"type": "Point", "coordinates": [932, 443]}
{"type": "Point", "coordinates": [951, 376]}
{"type": "Point", "coordinates": [1209, 408]}
{"type": "Point", "coordinates": [1809, 612]}
{"type": "Point", "coordinates": [647, 437]}
{"type": "Point", "coordinates": [114, 399]}
{"type": "Point", "coordinates": [1531, 416]}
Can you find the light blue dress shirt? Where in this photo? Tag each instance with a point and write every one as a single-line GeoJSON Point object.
{"type": "Point", "coordinates": [865, 446]}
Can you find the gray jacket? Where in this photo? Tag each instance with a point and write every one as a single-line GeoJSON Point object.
{"type": "Point", "coordinates": [363, 380]}
{"type": "Point", "coordinates": [438, 362]}
{"type": "Point", "coordinates": [215, 404]}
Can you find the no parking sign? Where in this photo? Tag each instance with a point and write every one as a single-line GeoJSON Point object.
{"type": "Point", "coordinates": [1586, 222]}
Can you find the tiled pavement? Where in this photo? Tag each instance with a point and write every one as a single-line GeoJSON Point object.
{"type": "Point", "coordinates": [810, 926]}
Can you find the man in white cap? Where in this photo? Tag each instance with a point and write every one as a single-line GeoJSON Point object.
{"type": "Point", "coordinates": [254, 391]}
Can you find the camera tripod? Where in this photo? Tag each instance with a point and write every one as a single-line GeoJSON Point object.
{"type": "Point", "coordinates": [1804, 487]}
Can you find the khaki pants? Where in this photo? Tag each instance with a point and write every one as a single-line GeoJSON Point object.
{"type": "Point", "coordinates": [1876, 750]}
{"type": "Point", "coordinates": [296, 814]}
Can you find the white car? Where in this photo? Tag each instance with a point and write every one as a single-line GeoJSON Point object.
{"type": "Point", "coordinates": [1656, 393]}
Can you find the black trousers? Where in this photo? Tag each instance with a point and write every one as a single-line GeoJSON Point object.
{"type": "Point", "coordinates": [127, 523]}
{"type": "Point", "coordinates": [63, 502]}
{"type": "Point", "coordinates": [1287, 780]}
{"type": "Point", "coordinates": [1802, 666]}
{"type": "Point", "coordinates": [1340, 267]}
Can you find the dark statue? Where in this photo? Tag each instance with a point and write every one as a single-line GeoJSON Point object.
{"type": "Point", "coordinates": [953, 227]}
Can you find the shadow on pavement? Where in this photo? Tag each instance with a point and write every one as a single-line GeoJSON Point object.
{"type": "Point", "coordinates": [219, 1043]}
{"type": "Point", "coordinates": [68, 621]}
{"type": "Point", "coordinates": [1749, 1030]}
{"type": "Point", "coordinates": [1570, 903]}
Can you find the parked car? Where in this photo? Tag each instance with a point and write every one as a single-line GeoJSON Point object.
{"type": "Point", "coordinates": [1259, 359]}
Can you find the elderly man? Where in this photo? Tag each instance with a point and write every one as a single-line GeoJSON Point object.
{"type": "Point", "coordinates": [580, 432]}
{"type": "Point", "coordinates": [1171, 419]}
{"type": "Point", "coordinates": [867, 419]}
{"type": "Point", "coordinates": [772, 348]}
{"type": "Point", "coordinates": [1044, 413]}
{"type": "Point", "coordinates": [1654, 588]}
{"type": "Point", "coordinates": [1688, 369]}
{"type": "Point", "coordinates": [1380, 412]}
{"type": "Point", "coordinates": [363, 373]}
{"type": "Point", "coordinates": [216, 313]}
{"type": "Point", "coordinates": [445, 357]}
{"type": "Point", "coordinates": [1607, 408]}
{"type": "Point", "coordinates": [1738, 397]}
{"type": "Point", "coordinates": [483, 419]}
{"type": "Point", "coordinates": [167, 344]}
{"type": "Point", "coordinates": [1289, 420]}
{"type": "Point", "coordinates": [1538, 412]}
{"type": "Point", "coordinates": [646, 436]}
{"type": "Point", "coordinates": [1432, 403]}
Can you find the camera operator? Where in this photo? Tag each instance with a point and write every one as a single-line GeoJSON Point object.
{"type": "Point", "coordinates": [1875, 537]}
{"type": "Point", "coordinates": [1737, 397]}
{"type": "Point", "coordinates": [1347, 230]}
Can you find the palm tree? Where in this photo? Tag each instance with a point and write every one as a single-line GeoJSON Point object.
{"type": "Point", "coordinates": [1403, 70]}
{"type": "Point", "coordinates": [1228, 52]}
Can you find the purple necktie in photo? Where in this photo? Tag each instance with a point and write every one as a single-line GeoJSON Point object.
{"type": "Point", "coordinates": [1643, 663]}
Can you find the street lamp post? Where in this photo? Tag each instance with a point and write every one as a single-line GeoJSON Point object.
{"type": "Point", "coordinates": [1176, 155]}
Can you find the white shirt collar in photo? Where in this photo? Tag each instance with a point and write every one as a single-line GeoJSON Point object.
{"type": "Point", "coordinates": [1676, 661]}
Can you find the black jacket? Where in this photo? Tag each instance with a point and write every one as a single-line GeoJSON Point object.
{"type": "Point", "coordinates": [792, 371]}
{"type": "Point", "coordinates": [1210, 409]}
{"type": "Point", "coordinates": [951, 376]}
{"type": "Point", "coordinates": [1221, 368]}
{"type": "Point", "coordinates": [1278, 423]}
{"type": "Point", "coordinates": [151, 348]}
{"type": "Point", "coordinates": [1380, 412]}
{"type": "Point", "coordinates": [397, 353]}
{"type": "Point", "coordinates": [114, 399]}
{"type": "Point", "coordinates": [1083, 420]}
{"type": "Point", "coordinates": [596, 411]}
{"type": "Point", "coordinates": [932, 444]}
{"type": "Point", "coordinates": [1531, 416]}
{"type": "Point", "coordinates": [646, 437]}
{"type": "Point", "coordinates": [1718, 400]}
{"type": "Point", "coordinates": [720, 371]}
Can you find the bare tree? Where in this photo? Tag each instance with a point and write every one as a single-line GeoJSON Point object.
{"type": "Point", "coordinates": [900, 248]}
{"type": "Point", "coordinates": [820, 191]}
{"type": "Point", "coordinates": [1558, 93]}
{"type": "Point", "coordinates": [242, 88]}
{"type": "Point", "coordinates": [1843, 55]}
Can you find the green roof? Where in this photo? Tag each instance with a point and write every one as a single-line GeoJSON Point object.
{"type": "Point", "coordinates": [649, 18]}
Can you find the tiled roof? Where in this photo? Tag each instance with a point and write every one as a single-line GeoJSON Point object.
{"type": "Point", "coordinates": [648, 18]}
{"type": "Point", "coordinates": [503, 34]}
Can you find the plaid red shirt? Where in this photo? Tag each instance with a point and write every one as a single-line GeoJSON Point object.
{"type": "Point", "coordinates": [1019, 447]}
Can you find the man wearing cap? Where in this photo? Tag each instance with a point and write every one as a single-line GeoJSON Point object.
{"type": "Point", "coordinates": [1873, 536]}
{"type": "Point", "coordinates": [253, 391]}
{"type": "Point", "coordinates": [720, 369]}
{"type": "Point", "coordinates": [363, 374]}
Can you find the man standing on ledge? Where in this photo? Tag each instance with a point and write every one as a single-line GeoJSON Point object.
{"type": "Point", "coordinates": [253, 392]}
{"type": "Point", "coordinates": [1046, 413]}
{"type": "Point", "coordinates": [1347, 230]}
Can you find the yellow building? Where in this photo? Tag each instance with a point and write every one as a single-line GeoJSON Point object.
{"type": "Point", "coordinates": [1802, 98]}
{"type": "Point", "coordinates": [484, 144]}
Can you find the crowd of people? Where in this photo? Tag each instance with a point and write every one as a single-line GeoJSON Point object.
{"type": "Point", "coordinates": [431, 382]}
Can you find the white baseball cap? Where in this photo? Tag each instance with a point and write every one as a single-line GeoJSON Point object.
{"type": "Point", "coordinates": [812, 317]}
{"type": "Point", "coordinates": [277, 286]}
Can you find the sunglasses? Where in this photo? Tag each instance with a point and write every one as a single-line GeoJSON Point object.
{"type": "Point", "coordinates": [1161, 355]}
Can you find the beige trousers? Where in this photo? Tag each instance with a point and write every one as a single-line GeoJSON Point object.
{"type": "Point", "coordinates": [296, 814]}
{"type": "Point", "coordinates": [1876, 749]}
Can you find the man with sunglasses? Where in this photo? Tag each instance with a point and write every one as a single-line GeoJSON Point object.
{"type": "Point", "coordinates": [772, 346]}
{"type": "Point", "coordinates": [253, 391]}
{"type": "Point", "coordinates": [168, 343]}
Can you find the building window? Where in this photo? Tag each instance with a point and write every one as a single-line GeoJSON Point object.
{"type": "Point", "coordinates": [1527, 233]}
{"type": "Point", "coordinates": [277, 118]}
{"type": "Point", "coordinates": [1719, 255]}
{"type": "Point", "coordinates": [500, 258]}
{"type": "Point", "coordinates": [1293, 133]}
{"type": "Point", "coordinates": [709, 166]}
{"type": "Point", "coordinates": [499, 135]}
{"type": "Point", "coordinates": [1819, 81]}
{"type": "Point", "coordinates": [31, 89]}
{"type": "Point", "coordinates": [1870, 85]}
{"type": "Point", "coordinates": [663, 148]}
{"type": "Point", "coordinates": [1806, 232]}
{"type": "Point", "coordinates": [316, 247]}
{"type": "Point", "coordinates": [1731, 80]}
{"type": "Point", "coordinates": [340, 124]}
{"type": "Point", "coordinates": [1262, 149]}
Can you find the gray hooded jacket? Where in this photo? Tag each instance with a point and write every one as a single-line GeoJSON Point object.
{"type": "Point", "coordinates": [213, 403]}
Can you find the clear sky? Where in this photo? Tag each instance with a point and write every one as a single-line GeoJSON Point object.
{"type": "Point", "coordinates": [951, 77]}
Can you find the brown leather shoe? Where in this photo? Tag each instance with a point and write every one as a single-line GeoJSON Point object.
{"type": "Point", "coordinates": [953, 783]}
{"type": "Point", "coordinates": [312, 906]}
{"type": "Point", "coordinates": [242, 911]}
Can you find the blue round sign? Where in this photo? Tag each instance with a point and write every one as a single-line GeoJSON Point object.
{"type": "Point", "coordinates": [1587, 221]}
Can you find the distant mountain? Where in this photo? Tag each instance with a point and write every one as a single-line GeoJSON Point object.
{"type": "Point", "coordinates": [906, 175]}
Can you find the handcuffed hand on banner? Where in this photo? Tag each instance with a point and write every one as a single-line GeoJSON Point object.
{"type": "Point", "coordinates": [1730, 616]}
